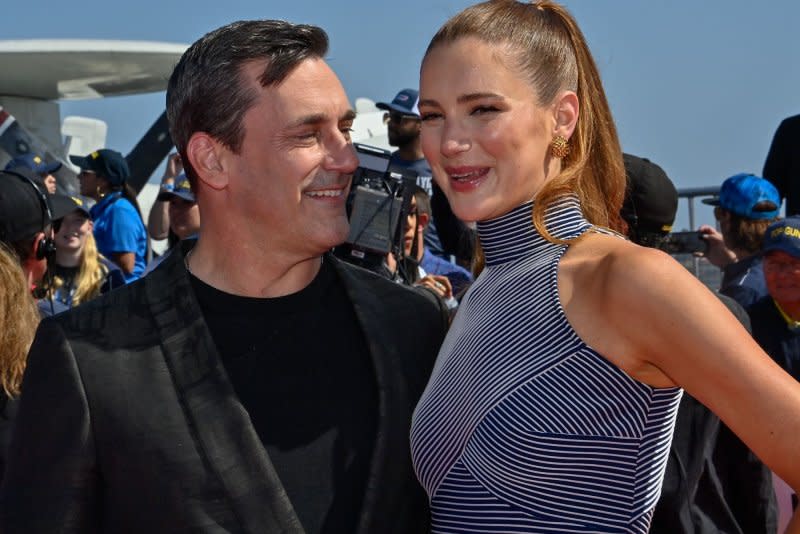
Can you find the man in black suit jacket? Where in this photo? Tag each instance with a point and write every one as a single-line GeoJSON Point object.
{"type": "Point", "coordinates": [252, 382]}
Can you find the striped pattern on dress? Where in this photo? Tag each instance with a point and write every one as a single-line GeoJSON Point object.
{"type": "Point", "coordinates": [523, 427]}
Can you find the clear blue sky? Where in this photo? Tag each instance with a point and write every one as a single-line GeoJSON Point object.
{"type": "Point", "coordinates": [698, 87]}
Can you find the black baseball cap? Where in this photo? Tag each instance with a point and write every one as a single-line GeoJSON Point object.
{"type": "Point", "coordinates": [651, 200]}
{"type": "Point", "coordinates": [783, 235]}
{"type": "Point", "coordinates": [405, 102]}
{"type": "Point", "coordinates": [22, 214]}
{"type": "Point", "coordinates": [63, 204]}
{"type": "Point", "coordinates": [105, 162]}
{"type": "Point", "coordinates": [34, 162]}
{"type": "Point", "coordinates": [25, 208]}
{"type": "Point", "coordinates": [181, 189]}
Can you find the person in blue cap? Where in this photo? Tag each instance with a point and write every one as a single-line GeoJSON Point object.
{"type": "Point", "coordinates": [403, 127]}
{"type": "Point", "coordinates": [38, 165]}
{"type": "Point", "coordinates": [776, 317]}
{"type": "Point", "coordinates": [746, 205]}
{"type": "Point", "coordinates": [181, 216]}
{"type": "Point", "coordinates": [118, 226]}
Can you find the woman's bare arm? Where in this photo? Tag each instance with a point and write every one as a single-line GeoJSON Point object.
{"type": "Point", "coordinates": [657, 322]}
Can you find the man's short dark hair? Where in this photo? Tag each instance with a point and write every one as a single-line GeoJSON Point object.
{"type": "Point", "coordinates": [206, 92]}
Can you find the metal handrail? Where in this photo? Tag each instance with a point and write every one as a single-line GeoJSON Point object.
{"type": "Point", "coordinates": [690, 193]}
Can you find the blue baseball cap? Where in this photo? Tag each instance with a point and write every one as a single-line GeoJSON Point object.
{"type": "Point", "coordinates": [107, 163]}
{"type": "Point", "coordinates": [182, 188]}
{"type": "Point", "coordinates": [741, 194]}
{"type": "Point", "coordinates": [405, 102]}
{"type": "Point", "coordinates": [783, 235]}
{"type": "Point", "coordinates": [34, 162]}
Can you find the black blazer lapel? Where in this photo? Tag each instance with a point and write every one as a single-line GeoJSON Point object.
{"type": "Point", "coordinates": [220, 425]}
{"type": "Point", "coordinates": [394, 502]}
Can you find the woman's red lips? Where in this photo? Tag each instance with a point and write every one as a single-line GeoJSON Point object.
{"type": "Point", "coordinates": [466, 178]}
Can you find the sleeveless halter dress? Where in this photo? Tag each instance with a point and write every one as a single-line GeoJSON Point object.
{"type": "Point", "coordinates": [523, 427]}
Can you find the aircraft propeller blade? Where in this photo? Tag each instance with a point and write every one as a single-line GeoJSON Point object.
{"type": "Point", "coordinates": [149, 152]}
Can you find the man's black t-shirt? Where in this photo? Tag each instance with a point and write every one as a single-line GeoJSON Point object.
{"type": "Point", "coordinates": [301, 368]}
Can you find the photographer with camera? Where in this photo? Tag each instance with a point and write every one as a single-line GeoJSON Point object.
{"type": "Point", "coordinates": [746, 205]}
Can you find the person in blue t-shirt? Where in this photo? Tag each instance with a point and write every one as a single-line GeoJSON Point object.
{"type": "Point", "coordinates": [403, 127]}
{"type": "Point", "coordinates": [118, 226]}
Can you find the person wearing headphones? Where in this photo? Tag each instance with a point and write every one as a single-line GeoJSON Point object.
{"type": "Point", "coordinates": [26, 246]}
{"type": "Point", "coordinates": [26, 215]}
{"type": "Point", "coordinates": [118, 225]}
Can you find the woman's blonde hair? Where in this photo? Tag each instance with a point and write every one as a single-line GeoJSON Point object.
{"type": "Point", "coordinates": [89, 279]}
{"type": "Point", "coordinates": [19, 318]}
{"type": "Point", "coordinates": [546, 46]}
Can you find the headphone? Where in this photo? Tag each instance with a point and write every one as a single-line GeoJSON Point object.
{"type": "Point", "coordinates": [46, 249]}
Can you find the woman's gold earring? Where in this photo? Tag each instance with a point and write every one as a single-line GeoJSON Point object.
{"type": "Point", "coordinates": [559, 147]}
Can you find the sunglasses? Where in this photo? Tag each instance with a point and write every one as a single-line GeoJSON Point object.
{"type": "Point", "coordinates": [395, 116]}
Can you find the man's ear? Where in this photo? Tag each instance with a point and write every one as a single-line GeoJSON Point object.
{"type": "Point", "coordinates": [205, 155]}
{"type": "Point", "coordinates": [566, 110]}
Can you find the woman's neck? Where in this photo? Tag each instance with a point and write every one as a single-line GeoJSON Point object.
{"type": "Point", "coordinates": [68, 258]}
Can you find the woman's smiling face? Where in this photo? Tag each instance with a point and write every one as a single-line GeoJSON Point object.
{"type": "Point", "coordinates": [483, 132]}
{"type": "Point", "coordinates": [73, 231]}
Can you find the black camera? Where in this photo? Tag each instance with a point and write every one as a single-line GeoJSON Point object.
{"type": "Point", "coordinates": [377, 206]}
{"type": "Point", "coordinates": [684, 243]}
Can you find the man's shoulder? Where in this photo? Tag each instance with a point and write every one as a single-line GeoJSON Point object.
{"type": "Point", "coordinates": [119, 318]}
{"type": "Point", "coordinates": [791, 124]}
{"type": "Point", "coordinates": [117, 302]}
{"type": "Point", "coordinates": [369, 285]}
{"type": "Point", "coordinates": [50, 307]}
{"type": "Point", "coordinates": [354, 274]}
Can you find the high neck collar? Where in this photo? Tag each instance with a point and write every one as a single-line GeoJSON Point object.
{"type": "Point", "coordinates": [513, 236]}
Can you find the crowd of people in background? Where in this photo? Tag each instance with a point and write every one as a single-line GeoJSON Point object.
{"type": "Point", "coordinates": [556, 401]}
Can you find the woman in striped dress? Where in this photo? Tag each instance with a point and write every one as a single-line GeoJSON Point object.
{"type": "Point", "coordinates": [552, 403]}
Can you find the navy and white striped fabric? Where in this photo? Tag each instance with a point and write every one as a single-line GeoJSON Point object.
{"type": "Point", "coordinates": [523, 427]}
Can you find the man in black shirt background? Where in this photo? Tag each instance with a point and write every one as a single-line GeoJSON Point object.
{"type": "Point", "coordinates": [782, 166]}
{"type": "Point", "coordinates": [251, 382]}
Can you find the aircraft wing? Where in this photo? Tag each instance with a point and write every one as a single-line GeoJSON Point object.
{"type": "Point", "coordinates": [68, 69]}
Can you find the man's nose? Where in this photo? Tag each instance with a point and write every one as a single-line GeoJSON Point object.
{"type": "Point", "coordinates": [342, 157]}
